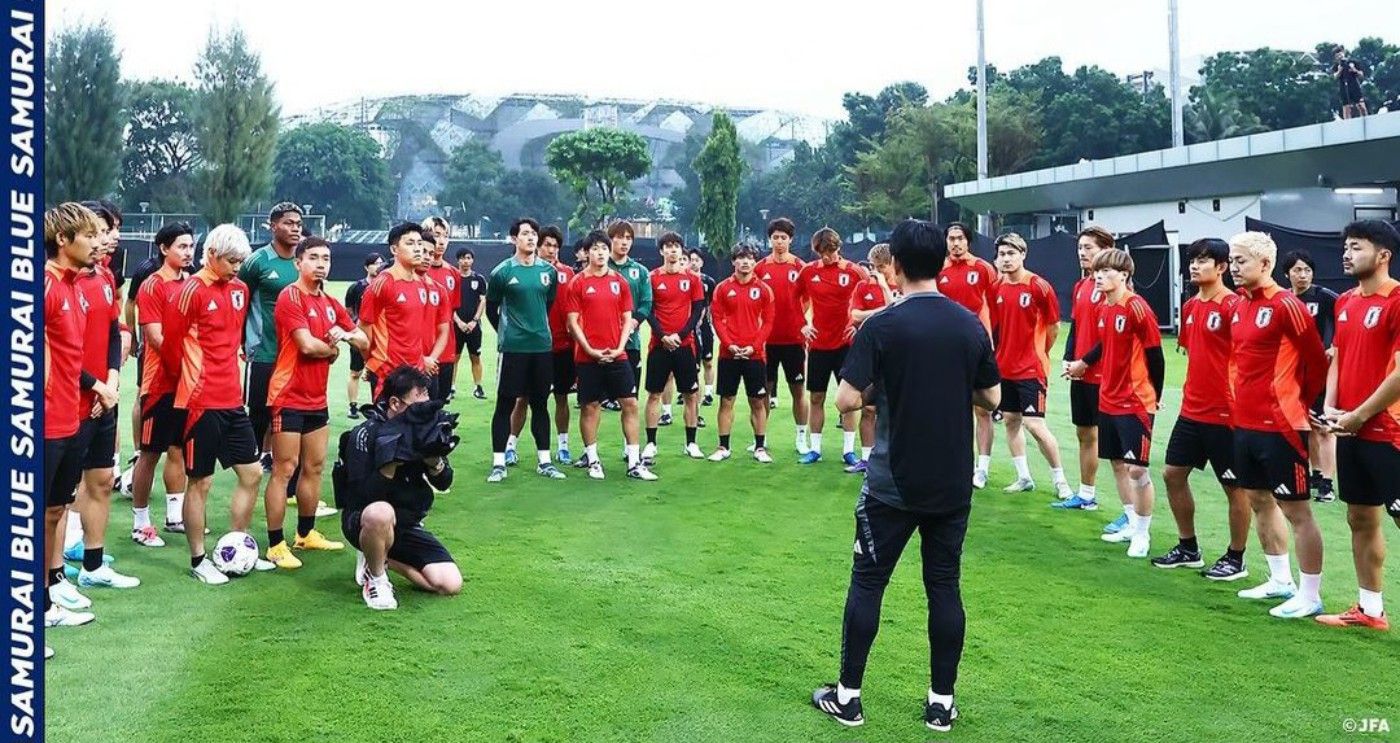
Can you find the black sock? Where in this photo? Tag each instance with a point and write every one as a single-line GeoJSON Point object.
{"type": "Point", "coordinates": [305, 524]}
{"type": "Point", "coordinates": [1189, 544]}
{"type": "Point", "coordinates": [92, 559]}
{"type": "Point", "coordinates": [690, 435]}
{"type": "Point", "coordinates": [651, 436]}
{"type": "Point", "coordinates": [275, 537]}
{"type": "Point", "coordinates": [195, 560]}
{"type": "Point", "coordinates": [758, 440]}
{"type": "Point", "coordinates": [1234, 554]}
{"type": "Point", "coordinates": [55, 575]}
{"type": "Point", "coordinates": [48, 602]}
{"type": "Point", "coordinates": [724, 441]}
{"type": "Point", "coordinates": [1324, 485]}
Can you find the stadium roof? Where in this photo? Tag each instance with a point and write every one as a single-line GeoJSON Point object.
{"type": "Point", "coordinates": [1353, 152]}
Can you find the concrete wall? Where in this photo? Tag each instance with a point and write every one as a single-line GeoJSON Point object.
{"type": "Point", "coordinates": [1320, 209]}
{"type": "Point", "coordinates": [1200, 219]}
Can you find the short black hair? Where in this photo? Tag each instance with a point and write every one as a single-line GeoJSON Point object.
{"type": "Point", "coordinates": [670, 237]}
{"type": "Point", "coordinates": [102, 212]}
{"type": "Point", "coordinates": [463, 252]}
{"type": "Point", "coordinates": [581, 245]}
{"type": "Point", "coordinates": [1292, 258]}
{"type": "Point", "coordinates": [967, 231]}
{"type": "Point", "coordinates": [308, 243]}
{"type": "Point", "coordinates": [373, 258]}
{"type": "Point", "coordinates": [595, 237]}
{"type": "Point", "coordinates": [282, 208]}
{"type": "Point", "coordinates": [918, 248]}
{"type": "Point", "coordinates": [1379, 232]}
{"type": "Point", "coordinates": [554, 232]}
{"type": "Point", "coordinates": [402, 381]}
{"type": "Point", "coordinates": [515, 226]}
{"type": "Point", "coordinates": [695, 252]}
{"type": "Point", "coordinates": [402, 229]}
{"type": "Point", "coordinates": [1209, 247]}
{"type": "Point", "coordinates": [743, 250]}
{"type": "Point", "coordinates": [115, 210]}
{"type": "Point", "coordinates": [783, 225]}
{"type": "Point", "coordinates": [169, 233]}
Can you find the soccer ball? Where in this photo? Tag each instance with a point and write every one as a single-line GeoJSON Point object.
{"type": "Point", "coordinates": [236, 553]}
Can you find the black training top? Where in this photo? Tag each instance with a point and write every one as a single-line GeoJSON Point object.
{"type": "Point", "coordinates": [354, 295]}
{"type": "Point", "coordinates": [143, 272]}
{"type": "Point", "coordinates": [1321, 304]}
{"type": "Point", "coordinates": [473, 289]}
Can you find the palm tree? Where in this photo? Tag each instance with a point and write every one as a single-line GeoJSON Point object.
{"type": "Point", "coordinates": [1213, 115]}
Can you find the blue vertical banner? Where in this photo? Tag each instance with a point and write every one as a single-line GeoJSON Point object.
{"type": "Point", "coordinates": [22, 330]}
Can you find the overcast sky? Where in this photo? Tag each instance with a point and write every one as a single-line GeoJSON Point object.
{"type": "Point", "coordinates": [781, 54]}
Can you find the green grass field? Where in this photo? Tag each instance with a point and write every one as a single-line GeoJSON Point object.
{"type": "Point", "coordinates": [705, 607]}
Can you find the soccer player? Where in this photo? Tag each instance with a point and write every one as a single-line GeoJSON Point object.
{"type": "Point", "coordinates": [678, 301]}
{"type": "Point", "coordinates": [310, 326]}
{"type": "Point", "coordinates": [382, 508]}
{"type": "Point", "coordinates": [374, 262]}
{"type": "Point", "coordinates": [449, 280]}
{"type": "Point", "coordinates": [1363, 396]}
{"type": "Point", "coordinates": [143, 271]}
{"type": "Point", "coordinates": [923, 359]}
{"type": "Point", "coordinates": [435, 334]}
{"type": "Point", "coordinates": [1025, 319]}
{"type": "Point", "coordinates": [1130, 349]}
{"type": "Point", "coordinates": [1321, 303]}
{"type": "Point", "coordinates": [396, 307]}
{"type": "Point", "coordinates": [162, 426]}
{"type": "Point", "coordinates": [203, 331]}
{"type": "Point", "coordinates": [971, 282]}
{"type": "Point", "coordinates": [1084, 392]}
{"type": "Point", "coordinates": [1202, 434]}
{"type": "Point", "coordinates": [518, 297]}
{"type": "Point", "coordinates": [743, 312]}
{"type": "Point", "coordinates": [470, 307]}
{"type": "Point", "coordinates": [1279, 368]}
{"type": "Point", "coordinates": [786, 348]}
{"type": "Point", "coordinates": [562, 350]}
{"type": "Point", "coordinates": [827, 284]}
{"type": "Point", "coordinates": [705, 330]}
{"type": "Point", "coordinates": [598, 305]}
{"type": "Point", "coordinates": [871, 296]}
{"type": "Point", "coordinates": [639, 281]}
{"type": "Point", "coordinates": [267, 272]}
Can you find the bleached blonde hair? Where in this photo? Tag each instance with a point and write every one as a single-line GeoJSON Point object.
{"type": "Point", "coordinates": [880, 255]}
{"type": "Point", "coordinates": [227, 241]}
{"type": "Point", "coordinates": [1257, 245]}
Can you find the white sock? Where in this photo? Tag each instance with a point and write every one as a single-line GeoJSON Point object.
{"type": "Point", "coordinates": [984, 462]}
{"type": "Point", "coordinates": [1370, 603]}
{"type": "Point", "coordinates": [1132, 522]}
{"type": "Point", "coordinates": [848, 442]}
{"type": "Point", "coordinates": [1057, 475]}
{"type": "Point", "coordinates": [563, 441]}
{"type": "Point", "coordinates": [1088, 492]}
{"type": "Point", "coordinates": [1279, 570]}
{"type": "Point", "coordinates": [175, 508]}
{"type": "Point", "coordinates": [591, 451]}
{"type": "Point", "coordinates": [1310, 586]}
{"type": "Point", "coordinates": [844, 695]}
{"type": "Point", "coordinates": [74, 533]}
{"type": "Point", "coordinates": [710, 390]}
{"type": "Point", "coordinates": [944, 699]}
{"type": "Point", "coordinates": [140, 518]}
{"type": "Point", "coordinates": [1143, 524]}
{"type": "Point", "coordinates": [543, 455]}
{"type": "Point", "coordinates": [814, 442]}
{"type": "Point", "coordinates": [865, 452]}
{"type": "Point", "coordinates": [498, 459]}
{"type": "Point", "coordinates": [510, 443]}
{"type": "Point", "coordinates": [666, 409]}
{"type": "Point", "coordinates": [1023, 468]}
{"type": "Point", "coordinates": [633, 455]}
{"type": "Point", "coordinates": [801, 434]}
{"type": "Point", "coordinates": [1129, 512]}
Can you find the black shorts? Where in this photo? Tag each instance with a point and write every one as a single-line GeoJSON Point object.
{"type": "Point", "coordinates": [288, 420]}
{"type": "Point", "coordinates": [662, 364]}
{"type": "Point", "coordinates": [565, 375]}
{"type": "Point", "coordinates": [443, 380]}
{"type": "Point", "coordinates": [1273, 461]}
{"type": "Point", "coordinates": [792, 357]}
{"type": "Point", "coordinates": [1023, 397]}
{"type": "Point", "coordinates": [525, 375]}
{"type": "Point", "coordinates": [634, 358]}
{"type": "Point", "coordinates": [138, 352]}
{"type": "Point", "coordinates": [357, 360]}
{"type": "Point", "coordinates": [705, 334]}
{"type": "Point", "coordinates": [1126, 437]}
{"type": "Point", "coordinates": [823, 366]}
{"type": "Point", "coordinates": [611, 381]}
{"type": "Point", "coordinates": [470, 341]}
{"type": "Point", "coordinates": [63, 469]}
{"type": "Point", "coordinates": [1084, 404]}
{"type": "Point", "coordinates": [162, 425]}
{"type": "Point", "coordinates": [1368, 473]}
{"type": "Point", "coordinates": [1195, 444]}
{"type": "Point", "coordinates": [413, 545]}
{"type": "Point", "coordinates": [259, 377]}
{"type": "Point", "coordinates": [750, 371]}
{"type": "Point", "coordinates": [222, 436]}
{"type": "Point", "coordinates": [1351, 92]}
{"type": "Point", "coordinates": [97, 440]}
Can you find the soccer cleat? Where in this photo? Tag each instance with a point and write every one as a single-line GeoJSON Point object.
{"type": "Point", "coordinates": [146, 536]}
{"type": "Point", "coordinates": [1179, 557]}
{"type": "Point", "coordinates": [70, 572]}
{"type": "Point", "coordinates": [1118, 537]}
{"type": "Point", "coordinates": [699, 421]}
{"type": "Point", "coordinates": [850, 459]}
{"type": "Point", "coordinates": [57, 616]}
{"type": "Point", "coordinates": [1063, 491]}
{"type": "Point", "coordinates": [324, 509]}
{"type": "Point", "coordinates": [803, 448]}
{"type": "Point", "coordinates": [692, 450]}
{"type": "Point", "coordinates": [1116, 525]}
{"type": "Point", "coordinates": [666, 420]}
{"type": "Point", "coordinates": [772, 403]}
{"type": "Point", "coordinates": [174, 527]}
{"type": "Point", "coordinates": [761, 456]}
{"type": "Point", "coordinates": [106, 577]}
{"type": "Point", "coordinates": [124, 482]}
{"type": "Point", "coordinates": [649, 455]}
{"type": "Point", "coordinates": [479, 393]}
{"type": "Point", "coordinates": [1076, 502]}
{"type": "Point", "coordinates": [207, 574]}
{"type": "Point", "coordinates": [828, 703]}
{"type": "Point", "coordinates": [708, 401]}
{"type": "Point", "coordinates": [1325, 493]}
{"type": "Point", "coordinates": [1296, 608]}
{"type": "Point", "coordinates": [940, 718]}
{"type": "Point", "coordinates": [315, 540]}
{"type": "Point", "coordinates": [1139, 545]}
{"type": "Point", "coordinates": [354, 413]}
{"type": "Point", "coordinates": [640, 472]}
{"type": "Point", "coordinates": [595, 471]}
{"type": "Point", "coordinates": [1022, 485]}
{"type": "Point", "coordinates": [720, 455]}
{"type": "Point", "coordinates": [451, 393]}
{"type": "Point", "coordinates": [582, 463]}
{"type": "Point", "coordinates": [550, 472]}
{"type": "Point", "coordinates": [1354, 617]}
{"type": "Point", "coordinates": [811, 457]}
{"type": "Point", "coordinates": [858, 468]}
{"type": "Point", "coordinates": [1226, 569]}
{"type": "Point", "coordinates": [48, 652]}
{"type": "Point", "coordinates": [1270, 589]}
{"type": "Point", "coordinates": [66, 594]}
{"type": "Point", "coordinates": [266, 461]}
{"type": "Point", "coordinates": [263, 566]}
{"type": "Point", "coordinates": [498, 473]}
{"type": "Point", "coordinates": [75, 554]}
{"type": "Point", "coordinates": [281, 555]}
{"type": "Point", "coordinates": [612, 405]}
{"type": "Point", "coordinates": [361, 566]}
{"type": "Point", "coordinates": [979, 479]}
{"type": "Point", "coordinates": [563, 456]}
{"type": "Point", "coordinates": [512, 458]}
{"type": "Point", "coordinates": [379, 593]}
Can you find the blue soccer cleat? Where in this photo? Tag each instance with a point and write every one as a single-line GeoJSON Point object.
{"type": "Point", "coordinates": [1077, 503]}
{"type": "Point", "coordinates": [512, 458]}
{"type": "Point", "coordinates": [564, 457]}
{"type": "Point", "coordinates": [811, 457]}
{"type": "Point", "coordinates": [850, 458]}
{"type": "Point", "coordinates": [1117, 525]}
{"type": "Point", "coordinates": [75, 554]}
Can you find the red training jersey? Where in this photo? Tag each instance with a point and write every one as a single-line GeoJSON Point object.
{"type": "Point", "coordinates": [156, 293]}
{"type": "Point", "coordinates": [396, 311]}
{"type": "Point", "coordinates": [601, 302]}
{"type": "Point", "coordinates": [439, 312]}
{"type": "Point", "coordinates": [828, 289]}
{"type": "Point", "coordinates": [1126, 329]}
{"type": "Point", "coordinates": [558, 319]}
{"type": "Point", "coordinates": [742, 314]}
{"type": "Point", "coordinates": [1280, 365]}
{"type": "Point", "coordinates": [449, 281]}
{"type": "Point", "coordinates": [298, 381]}
{"type": "Point", "coordinates": [1084, 313]}
{"type": "Point", "coordinates": [102, 306]}
{"type": "Point", "coordinates": [1023, 315]}
{"type": "Point", "coordinates": [972, 283]}
{"type": "Point", "coordinates": [672, 295]}
{"type": "Point", "coordinates": [1205, 334]}
{"type": "Point", "coordinates": [1367, 340]}
{"type": "Point", "coordinates": [203, 334]}
{"type": "Point", "coordinates": [867, 296]}
{"type": "Point", "coordinates": [788, 313]}
{"type": "Point", "coordinates": [64, 324]}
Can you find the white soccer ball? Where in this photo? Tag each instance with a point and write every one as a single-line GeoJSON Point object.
{"type": "Point", "coordinates": [236, 553]}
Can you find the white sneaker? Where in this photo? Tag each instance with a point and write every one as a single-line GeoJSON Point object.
{"type": "Point", "coordinates": [640, 472]}
{"type": "Point", "coordinates": [649, 453]}
{"type": "Point", "coordinates": [106, 577]}
{"type": "Point", "coordinates": [1063, 491]}
{"type": "Point", "coordinates": [323, 510]}
{"type": "Point", "coordinates": [595, 471]}
{"type": "Point", "coordinates": [207, 574]}
{"type": "Point", "coordinates": [1022, 485]}
{"type": "Point", "coordinates": [379, 593]}
{"type": "Point", "coordinates": [1139, 545]}
{"type": "Point", "coordinates": [720, 455]}
{"type": "Point", "coordinates": [803, 448]}
{"type": "Point", "coordinates": [124, 486]}
{"type": "Point", "coordinates": [146, 536]}
{"type": "Point", "coordinates": [762, 457]}
{"type": "Point", "coordinates": [48, 652]}
{"type": "Point", "coordinates": [264, 566]}
{"type": "Point", "coordinates": [979, 479]}
{"type": "Point", "coordinates": [57, 616]}
{"type": "Point", "coordinates": [1118, 537]}
{"type": "Point", "coordinates": [360, 567]}
{"type": "Point", "coordinates": [1270, 589]}
{"type": "Point", "coordinates": [1297, 608]}
{"type": "Point", "coordinates": [692, 450]}
{"type": "Point", "coordinates": [66, 594]}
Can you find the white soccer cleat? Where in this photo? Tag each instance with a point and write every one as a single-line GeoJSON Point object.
{"type": "Point", "coordinates": [323, 510]}
{"type": "Point", "coordinates": [640, 472]}
{"type": "Point", "coordinates": [692, 450]}
{"type": "Point", "coordinates": [720, 455]}
{"type": "Point", "coordinates": [146, 536]}
{"type": "Point", "coordinates": [207, 574]}
{"type": "Point", "coordinates": [648, 454]}
{"type": "Point", "coordinates": [1139, 545]}
{"type": "Point", "coordinates": [1297, 608]}
{"type": "Point", "coordinates": [124, 482]}
{"type": "Point", "coordinates": [378, 593]}
{"type": "Point", "coordinates": [1118, 537]}
{"type": "Point", "coordinates": [762, 457]}
{"type": "Point", "coordinates": [979, 479]}
{"type": "Point", "coordinates": [57, 616]}
{"type": "Point", "coordinates": [1270, 589]}
{"type": "Point", "coordinates": [106, 577]}
{"type": "Point", "coordinates": [1022, 485]}
{"type": "Point", "coordinates": [595, 471]}
{"type": "Point", "coordinates": [66, 594]}
{"type": "Point", "coordinates": [264, 566]}
{"type": "Point", "coordinates": [360, 568]}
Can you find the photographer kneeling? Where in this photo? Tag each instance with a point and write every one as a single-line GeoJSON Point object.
{"type": "Point", "coordinates": [385, 477]}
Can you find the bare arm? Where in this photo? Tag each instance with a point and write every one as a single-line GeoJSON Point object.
{"type": "Point", "coordinates": [312, 346]}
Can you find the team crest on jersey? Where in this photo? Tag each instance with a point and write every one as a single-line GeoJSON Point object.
{"type": "Point", "coordinates": [792, 277]}
{"type": "Point", "coordinates": [544, 279]}
{"type": "Point", "coordinates": [754, 293]}
{"type": "Point", "coordinates": [844, 279]}
{"type": "Point", "coordinates": [1024, 301]}
{"type": "Point", "coordinates": [632, 272]}
{"type": "Point", "coordinates": [685, 285]}
{"type": "Point", "coordinates": [1265, 315]}
{"type": "Point", "coordinates": [451, 283]}
{"type": "Point", "coordinates": [83, 303]}
{"type": "Point", "coordinates": [1096, 297]}
{"type": "Point", "coordinates": [433, 298]}
{"type": "Point", "coordinates": [1373, 317]}
{"type": "Point", "coordinates": [1213, 321]}
{"type": "Point", "coordinates": [107, 293]}
{"type": "Point", "coordinates": [422, 295]}
{"type": "Point", "coordinates": [1312, 308]}
{"type": "Point", "coordinates": [616, 287]}
{"type": "Point", "coordinates": [972, 279]}
{"type": "Point", "coordinates": [236, 297]}
{"type": "Point", "coordinates": [1120, 323]}
{"type": "Point", "coordinates": [330, 315]}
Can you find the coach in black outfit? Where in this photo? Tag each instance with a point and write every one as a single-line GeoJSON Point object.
{"type": "Point", "coordinates": [922, 362]}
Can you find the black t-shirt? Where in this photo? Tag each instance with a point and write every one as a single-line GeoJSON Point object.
{"type": "Point", "coordinates": [139, 276]}
{"type": "Point", "coordinates": [354, 295]}
{"type": "Point", "coordinates": [925, 355]}
{"type": "Point", "coordinates": [473, 289]}
{"type": "Point", "coordinates": [710, 285]}
{"type": "Point", "coordinates": [1321, 304]}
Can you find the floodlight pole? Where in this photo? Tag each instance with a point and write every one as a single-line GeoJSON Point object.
{"type": "Point", "coordinates": [1174, 46]}
{"type": "Point", "coordinates": [983, 219]}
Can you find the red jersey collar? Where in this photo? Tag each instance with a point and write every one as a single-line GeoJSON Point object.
{"type": "Point", "coordinates": [68, 275]}
{"type": "Point", "coordinates": [1268, 292]}
{"type": "Point", "coordinates": [1387, 288]}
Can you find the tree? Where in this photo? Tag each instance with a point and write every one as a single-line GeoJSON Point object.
{"type": "Point", "coordinates": [721, 170]}
{"type": "Point", "coordinates": [471, 182]}
{"type": "Point", "coordinates": [1381, 63]}
{"type": "Point", "coordinates": [338, 168]}
{"type": "Point", "coordinates": [686, 199]}
{"type": "Point", "coordinates": [160, 157]}
{"type": "Point", "coordinates": [530, 193]}
{"type": "Point", "coordinates": [1282, 89]}
{"type": "Point", "coordinates": [1211, 116]}
{"type": "Point", "coordinates": [83, 115]}
{"type": "Point", "coordinates": [597, 165]}
{"type": "Point", "coordinates": [235, 126]}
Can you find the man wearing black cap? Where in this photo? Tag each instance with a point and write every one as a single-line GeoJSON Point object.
{"type": "Point", "coordinates": [373, 262]}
